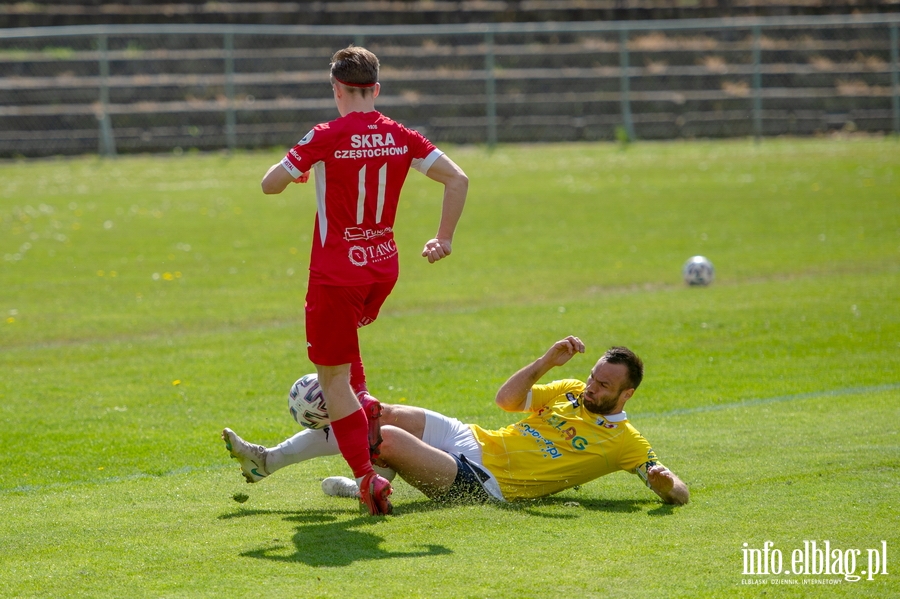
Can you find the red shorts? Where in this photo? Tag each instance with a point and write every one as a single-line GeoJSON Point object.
{"type": "Point", "coordinates": [332, 316]}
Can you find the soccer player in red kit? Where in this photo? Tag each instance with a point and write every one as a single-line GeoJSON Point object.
{"type": "Point", "coordinates": [360, 161]}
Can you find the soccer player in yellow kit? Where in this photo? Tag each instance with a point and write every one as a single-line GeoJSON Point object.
{"type": "Point", "coordinates": [574, 432]}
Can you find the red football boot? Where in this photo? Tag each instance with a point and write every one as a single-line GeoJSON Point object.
{"type": "Point", "coordinates": [374, 491]}
{"type": "Point", "coordinates": [372, 408]}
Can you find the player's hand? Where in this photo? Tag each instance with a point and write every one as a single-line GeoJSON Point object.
{"type": "Point", "coordinates": [660, 479]}
{"type": "Point", "coordinates": [563, 350]}
{"type": "Point", "coordinates": [302, 178]}
{"type": "Point", "coordinates": [436, 249]}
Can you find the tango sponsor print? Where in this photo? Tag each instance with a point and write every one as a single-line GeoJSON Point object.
{"type": "Point", "coordinates": [362, 255]}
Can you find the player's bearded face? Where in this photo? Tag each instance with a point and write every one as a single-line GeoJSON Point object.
{"type": "Point", "coordinates": [604, 388]}
{"type": "Point", "coordinates": [601, 402]}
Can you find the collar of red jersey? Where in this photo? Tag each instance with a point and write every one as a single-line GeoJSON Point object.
{"type": "Point", "coordinates": [620, 417]}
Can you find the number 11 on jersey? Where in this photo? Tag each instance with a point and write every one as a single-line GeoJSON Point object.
{"type": "Point", "coordinates": [361, 199]}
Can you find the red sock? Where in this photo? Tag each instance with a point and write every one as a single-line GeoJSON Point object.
{"type": "Point", "coordinates": [352, 436]}
{"type": "Point", "coordinates": [358, 377]}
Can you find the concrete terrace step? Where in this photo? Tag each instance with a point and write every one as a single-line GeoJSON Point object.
{"type": "Point", "coordinates": [40, 13]}
{"type": "Point", "coordinates": [166, 88]}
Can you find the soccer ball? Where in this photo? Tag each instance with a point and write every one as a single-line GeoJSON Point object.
{"type": "Point", "coordinates": [307, 403]}
{"type": "Point", "coordinates": [698, 271]}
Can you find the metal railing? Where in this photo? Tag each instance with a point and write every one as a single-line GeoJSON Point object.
{"type": "Point", "coordinates": [155, 88]}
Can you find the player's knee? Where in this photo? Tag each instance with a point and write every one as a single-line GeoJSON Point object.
{"type": "Point", "coordinates": [329, 375]}
{"type": "Point", "coordinates": [391, 441]}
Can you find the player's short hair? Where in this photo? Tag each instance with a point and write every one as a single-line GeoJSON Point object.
{"type": "Point", "coordinates": [356, 68]}
{"type": "Point", "coordinates": [635, 366]}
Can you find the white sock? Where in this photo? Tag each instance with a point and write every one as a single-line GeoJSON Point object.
{"type": "Point", "coordinates": [305, 445]}
{"type": "Point", "coordinates": [383, 472]}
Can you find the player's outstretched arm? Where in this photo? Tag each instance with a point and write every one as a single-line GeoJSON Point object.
{"type": "Point", "coordinates": [669, 487]}
{"type": "Point", "coordinates": [513, 394]}
{"type": "Point", "coordinates": [456, 187]}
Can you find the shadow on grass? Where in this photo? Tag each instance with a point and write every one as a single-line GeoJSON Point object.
{"type": "Point", "coordinates": [326, 538]}
{"type": "Point", "coordinates": [329, 538]}
{"type": "Point", "coordinates": [616, 506]}
{"type": "Point", "coordinates": [665, 509]}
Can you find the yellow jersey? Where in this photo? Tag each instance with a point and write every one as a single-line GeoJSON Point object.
{"type": "Point", "coordinates": [560, 444]}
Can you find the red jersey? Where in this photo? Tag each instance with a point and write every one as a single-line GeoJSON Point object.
{"type": "Point", "coordinates": [360, 161]}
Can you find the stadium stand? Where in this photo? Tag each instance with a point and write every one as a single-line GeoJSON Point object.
{"type": "Point", "coordinates": [52, 13]}
{"type": "Point", "coordinates": [168, 84]}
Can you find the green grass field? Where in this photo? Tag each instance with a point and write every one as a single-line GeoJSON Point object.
{"type": "Point", "coordinates": [146, 302]}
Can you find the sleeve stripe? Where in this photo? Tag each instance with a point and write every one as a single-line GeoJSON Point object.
{"type": "Point", "coordinates": [289, 167]}
{"type": "Point", "coordinates": [423, 164]}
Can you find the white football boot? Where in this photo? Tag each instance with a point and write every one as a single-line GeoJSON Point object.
{"type": "Point", "coordinates": [251, 457]}
{"type": "Point", "coordinates": [340, 486]}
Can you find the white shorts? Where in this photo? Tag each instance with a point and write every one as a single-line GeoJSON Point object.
{"type": "Point", "coordinates": [454, 437]}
